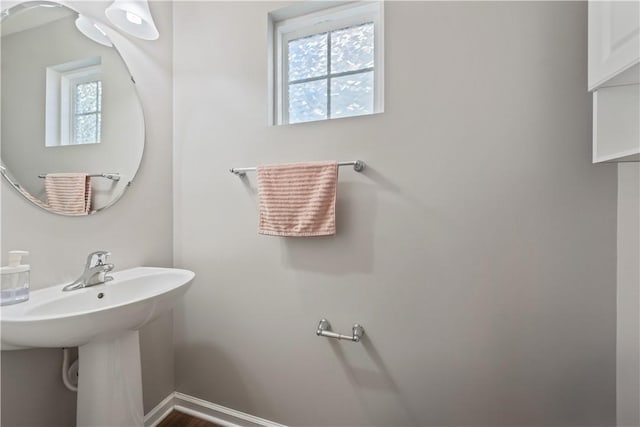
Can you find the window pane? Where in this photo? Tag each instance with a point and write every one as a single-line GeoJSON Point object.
{"type": "Point", "coordinates": [352, 95]}
{"type": "Point", "coordinates": [99, 82]}
{"type": "Point", "coordinates": [308, 101]}
{"type": "Point", "coordinates": [352, 48]}
{"type": "Point", "coordinates": [86, 97]}
{"type": "Point", "coordinates": [86, 129]}
{"type": "Point", "coordinates": [99, 128]}
{"type": "Point", "coordinates": [308, 57]}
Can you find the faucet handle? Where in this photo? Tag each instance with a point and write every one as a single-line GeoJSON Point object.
{"type": "Point", "coordinates": [100, 258]}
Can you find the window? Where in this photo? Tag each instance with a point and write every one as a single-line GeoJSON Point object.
{"type": "Point", "coordinates": [86, 107]}
{"type": "Point", "coordinates": [328, 63]}
{"type": "Point", "coordinates": [74, 103]}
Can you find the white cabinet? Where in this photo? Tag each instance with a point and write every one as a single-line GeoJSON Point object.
{"type": "Point", "coordinates": [614, 39]}
{"type": "Point", "coordinates": [614, 78]}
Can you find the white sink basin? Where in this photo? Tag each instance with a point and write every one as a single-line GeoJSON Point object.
{"type": "Point", "coordinates": [53, 318]}
{"type": "Point", "coordinates": [103, 321]}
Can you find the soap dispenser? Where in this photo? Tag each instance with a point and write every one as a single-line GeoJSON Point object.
{"type": "Point", "coordinates": [14, 282]}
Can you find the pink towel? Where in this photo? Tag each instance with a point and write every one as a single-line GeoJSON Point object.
{"type": "Point", "coordinates": [68, 193]}
{"type": "Point", "coordinates": [298, 199]}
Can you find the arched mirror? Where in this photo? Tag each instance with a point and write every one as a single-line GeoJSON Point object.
{"type": "Point", "coordinates": [72, 129]}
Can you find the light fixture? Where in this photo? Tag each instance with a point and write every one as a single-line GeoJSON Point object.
{"type": "Point", "coordinates": [134, 17]}
{"type": "Point", "coordinates": [92, 30]}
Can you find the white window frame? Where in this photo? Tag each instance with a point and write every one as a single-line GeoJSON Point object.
{"type": "Point", "coordinates": [61, 81]}
{"type": "Point", "coordinates": [317, 22]}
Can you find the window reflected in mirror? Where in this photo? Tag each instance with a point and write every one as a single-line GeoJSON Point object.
{"type": "Point", "coordinates": [74, 103]}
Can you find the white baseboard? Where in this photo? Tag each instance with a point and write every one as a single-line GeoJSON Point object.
{"type": "Point", "coordinates": [160, 412]}
{"type": "Point", "coordinates": [225, 417]}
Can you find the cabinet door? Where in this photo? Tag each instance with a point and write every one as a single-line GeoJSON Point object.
{"type": "Point", "coordinates": [616, 123]}
{"type": "Point", "coordinates": [614, 39]}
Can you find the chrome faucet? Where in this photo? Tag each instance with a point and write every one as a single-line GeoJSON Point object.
{"type": "Point", "coordinates": [94, 272]}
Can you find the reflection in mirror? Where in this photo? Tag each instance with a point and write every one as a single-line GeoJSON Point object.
{"type": "Point", "coordinates": [73, 102]}
{"type": "Point", "coordinates": [72, 129]}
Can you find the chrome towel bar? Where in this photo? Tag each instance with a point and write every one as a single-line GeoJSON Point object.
{"type": "Point", "coordinates": [324, 330]}
{"type": "Point", "coordinates": [358, 166]}
{"type": "Point", "coordinates": [112, 176]}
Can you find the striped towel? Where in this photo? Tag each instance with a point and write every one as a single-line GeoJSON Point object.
{"type": "Point", "coordinates": [298, 199]}
{"type": "Point", "coordinates": [68, 193]}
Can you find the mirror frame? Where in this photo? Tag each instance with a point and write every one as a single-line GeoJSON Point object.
{"type": "Point", "coordinates": [6, 173]}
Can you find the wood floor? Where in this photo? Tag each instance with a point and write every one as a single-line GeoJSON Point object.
{"type": "Point", "coordinates": [178, 419]}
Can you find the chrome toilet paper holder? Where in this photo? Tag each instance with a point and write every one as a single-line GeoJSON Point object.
{"type": "Point", "coordinates": [324, 330]}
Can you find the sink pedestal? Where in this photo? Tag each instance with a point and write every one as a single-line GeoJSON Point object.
{"type": "Point", "coordinates": [110, 382]}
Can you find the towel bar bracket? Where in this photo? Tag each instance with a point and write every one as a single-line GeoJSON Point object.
{"type": "Point", "coordinates": [358, 166]}
{"type": "Point", "coordinates": [324, 330]}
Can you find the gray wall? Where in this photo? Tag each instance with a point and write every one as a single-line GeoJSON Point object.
{"type": "Point", "coordinates": [628, 325]}
{"type": "Point", "coordinates": [137, 231]}
{"type": "Point", "coordinates": [478, 249]}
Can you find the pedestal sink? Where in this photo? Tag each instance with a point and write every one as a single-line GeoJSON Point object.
{"type": "Point", "coordinates": [103, 321]}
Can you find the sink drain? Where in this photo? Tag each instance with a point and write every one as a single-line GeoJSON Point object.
{"type": "Point", "coordinates": [100, 295]}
